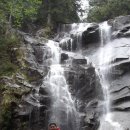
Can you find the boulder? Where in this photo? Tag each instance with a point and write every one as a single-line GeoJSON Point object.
{"type": "Point", "coordinates": [79, 61]}
{"type": "Point", "coordinates": [120, 22]}
{"type": "Point", "coordinates": [124, 32]}
{"type": "Point", "coordinates": [91, 35]}
{"type": "Point", "coordinates": [120, 26]}
{"type": "Point", "coordinates": [64, 57]}
{"type": "Point", "coordinates": [85, 86]}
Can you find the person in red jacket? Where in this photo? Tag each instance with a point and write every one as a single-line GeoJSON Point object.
{"type": "Point", "coordinates": [53, 126]}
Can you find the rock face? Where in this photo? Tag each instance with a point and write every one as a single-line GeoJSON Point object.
{"type": "Point", "coordinates": [81, 77]}
{"type": "Point", "coordinates": [85, 87]}
{"type": "Point", "coordinates": [91, 35]}
{"type": "Point", "coordinates": [118, 69]}
{"type": "Point", "coordinates": [120, 73]}
{"type": "Point", "coordinates": [121, 26]}
{"type": "Point", "coordinates": [33, 112]}
{"type": "Point", "coordinates": [119, 22]}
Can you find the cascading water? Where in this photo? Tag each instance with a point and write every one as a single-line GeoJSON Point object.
{"type": "Point", "coordinates": [70, 35]}
{"type": "Point", "coordinates": [105, 58]}
{"type": "Point", "coordinates": [63, 111]}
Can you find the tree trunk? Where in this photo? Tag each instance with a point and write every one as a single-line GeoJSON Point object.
{"type": "Point", "coordinates": [49, 14]}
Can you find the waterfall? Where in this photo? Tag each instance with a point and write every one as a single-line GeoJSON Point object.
{"type": "Point", "coordinates": [70, 36]}
{"type": "Point", "coordinates": [63, 111]}
{"type": "Point", "coordinates": [63, 106]}
{"type": "Point", "coordinates": [105, 58]}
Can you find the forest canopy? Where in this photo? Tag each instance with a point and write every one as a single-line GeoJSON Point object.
{"type": "Point", "coordinates": [19, 12]}
{"type": "Point", "coordinates": [101, 10]}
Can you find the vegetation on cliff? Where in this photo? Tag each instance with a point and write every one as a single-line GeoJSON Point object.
{"type": "Point", "coordinates": [43, 12]}
{"type": "Point", "coordinates": [102, 10]}
{"type": "Point", "coordinates": [10, 65]}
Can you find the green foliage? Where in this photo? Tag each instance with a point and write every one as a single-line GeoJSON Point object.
{"type": "Point", "coordinates": [18, 10]}
{"type": "Point", "coordinates": [66, 11]}
{"type": "Point", "coordinates": [97, 2]}
{"type": "Point", "coordinates": [5, 108]}
{"type": "Point", "coordinates": [6, 44]}
{"type": "Point", "coordinates": [5, 117]}
{"type": "Point", "coordinates": [107, 9]}
{"type": "Point", "coordinates": [58, 11]}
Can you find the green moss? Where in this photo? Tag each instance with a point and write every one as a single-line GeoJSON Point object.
{"type": "Point", "coordinates": [5, 117]}
{"type": "Point", "coordinates": [46, 32]}
{"type": "Point", "coordinates": [2, 87]}
{"type": "Point", "coordinates": [24, 126]}
{"type": "Point", "coordinates": [11, 62]}
{"type": "Point", "coordinates": [29, 78]}
{"type": "Point", "coordinates": [31, 75]}
{"type": "Point", "coordinates": [6, 109]}
{"type": "Point", "coordinates": [7, 67]}
{"type": "Point", "coordinates": [11, 97]}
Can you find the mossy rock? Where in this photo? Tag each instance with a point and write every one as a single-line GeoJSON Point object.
{"type": "Point", "coordinates": [32, 75]}
{"type": "Point", "coordinates": [11, 97]}
{"type": "Point", "coordinates": [7, 43]}
{"type": "Point", "coordinates": [45, 32]}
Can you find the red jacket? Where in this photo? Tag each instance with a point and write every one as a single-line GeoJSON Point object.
{"type": "Point", "coordinates": [56, 129]}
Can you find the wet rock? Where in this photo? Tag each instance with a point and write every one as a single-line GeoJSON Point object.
{"type": "Point", "coordinates": [119, 68]}
{"type": "Point", "coordinates": [124, 32]}
{"type": "Point", "coordinates": [24, 112]}
{"type": "Point", "coordinates": [119, 81]}
{"type": "Point", "coordinates": [44, 32]}
{"type": "Point", "coordinates": [120, 22]}
{"type": "Point", "coordinates": [83, 80]}
{"type": "Point", "coordinates": [35, 40]}
{"type": "Point", "coordinates": [85, 86]}
{"type": "Point", "coordinates": [64, 57]}
{"type": "Point", "coordinates": [38, 53]}
{"type": "Point", "coordinates": [119, 59]}
{"type": "Point", "coordinates": [91, 35]}
{"type": "Point", "coordinates": [92, 121]}
{"type": "Point", "coordinates": [79, 61]}
{"type": "Point", "coordinates": [45, 101]}
{"type": "Point", "coordinates": [33, 75]}
{"type": "Point", "coordinates": [120, 26]}
{"type": "Point", "coordinates": [69, 44]}
{"type": "Point", "coordinates": [43, 91]}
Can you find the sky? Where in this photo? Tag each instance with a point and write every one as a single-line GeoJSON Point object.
{"type": "Point", "coordinates": [84, 6]}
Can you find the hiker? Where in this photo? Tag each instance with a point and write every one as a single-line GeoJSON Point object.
{"type": "Point", "coordinates": [53, 126]}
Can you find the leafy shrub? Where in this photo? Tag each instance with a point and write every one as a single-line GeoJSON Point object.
{"type": "Point", "coordinates": [108, 9]}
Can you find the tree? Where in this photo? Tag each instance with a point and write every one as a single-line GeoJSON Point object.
{"type": "Point", "coordinates": [58, 11]}
{"type": "Point", "coordinates": [15, 11]}
{"type": "Point", "coordinates": [102, 10]}
{"type": "Point", "coordinates": [47, 12]}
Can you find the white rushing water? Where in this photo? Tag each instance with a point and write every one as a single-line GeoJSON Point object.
{"type": "Point", "coordinates": [72, 35]}
{"type": "Point", "coordinates": [63, 108]}
{"type": "Point", "coordinates": [105, 58]}
{"type": "Point", "coordinates": [63, 111]}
